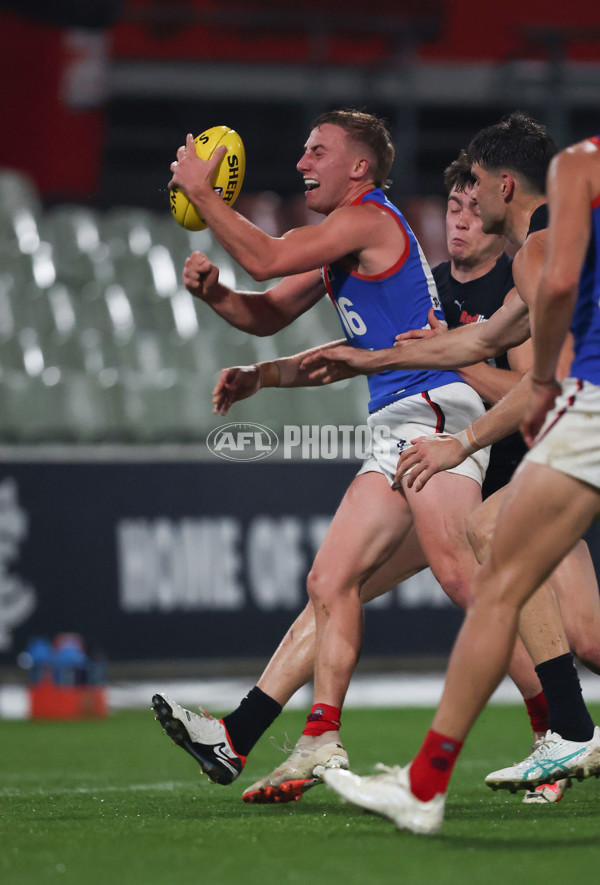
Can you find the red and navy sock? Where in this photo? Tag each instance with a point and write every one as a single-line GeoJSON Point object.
{"type": "Point", "coordinates": [537, 708]}
{"type": "Point", "coordinates": [432, 767]}
{"type": "Point", "coordinates": [322, 718]}
{"type": "Point", "coordinates": [254, 715]}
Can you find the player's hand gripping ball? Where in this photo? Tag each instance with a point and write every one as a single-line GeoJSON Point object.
{"type": "Point", "coordinates": [226, 180]}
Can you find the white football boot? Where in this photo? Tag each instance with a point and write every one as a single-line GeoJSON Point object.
{"type": "Point", "coordinates": [202, 736]}
{"type": "Point", "coordinates": [389, 794]}
{"type": "Point", "coordinates": [303, 769]}
{"type": "Point", "coordinates": [553, 758]}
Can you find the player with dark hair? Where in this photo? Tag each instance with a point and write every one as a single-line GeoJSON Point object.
{"type": "Point", "coordinates": [574, 582]}
{"type": "Point", "coordinates": [472, 285]}
{"type": "Point", "coordinates": [517, 142]}
{"type": "Point", "coordinates": [550, 501]}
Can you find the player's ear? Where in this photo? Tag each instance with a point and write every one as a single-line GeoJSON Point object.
{"type": "Point", "coordinates": [507, 186]}
{"type": "Point", "coordinates": [361, 167]}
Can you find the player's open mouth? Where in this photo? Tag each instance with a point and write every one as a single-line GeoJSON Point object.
{"type": "Point", "coordinates": [310, 184]}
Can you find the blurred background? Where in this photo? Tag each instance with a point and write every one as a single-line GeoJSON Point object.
{"type": "Point", "coordinates": [116, 522]}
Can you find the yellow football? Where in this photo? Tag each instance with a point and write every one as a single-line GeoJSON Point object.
{"type": "Point", "coordinates": [226, 181]}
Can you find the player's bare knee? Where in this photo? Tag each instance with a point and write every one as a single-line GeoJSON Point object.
{"type": "Point", "coordinates": [326, 589]}
{"type": "Point", "coordinates": [318, 586]}
{"type": "Point", "coordinates": [479, 534]}
{"type": "Point", "coordinates": [587, 650]}
{"type": "Point", "coordinates": [456, 586]}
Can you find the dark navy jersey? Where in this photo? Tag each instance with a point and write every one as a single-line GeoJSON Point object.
{"type": "Point", "coordinates": [374, 309]}
{"type": "Point", "coordinates": [474, 302]}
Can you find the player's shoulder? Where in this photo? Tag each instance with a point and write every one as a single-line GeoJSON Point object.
{"type": "Point", "coordinates": [585, 148]}
{"type": "Point", "coordinates": [577, 157]}
{"type": "Point", "coordinates": [529, 259]}
{"type": "Point", "coordinates": [534, 245]}
{"type": "Point", "coordinates": [375, 220]}
{"type": "Point", "coordinates": [576, 169]}
{"type": "Point", "coordinates": [370, 209]}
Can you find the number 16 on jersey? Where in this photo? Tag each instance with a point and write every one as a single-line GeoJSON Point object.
{"type": "Point", "coordinates": [352, 321]}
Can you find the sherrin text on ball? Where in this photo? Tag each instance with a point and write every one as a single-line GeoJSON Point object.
{"type": "Point", "coordinates": [226, 181]}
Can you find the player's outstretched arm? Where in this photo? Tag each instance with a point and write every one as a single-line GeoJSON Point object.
{"type": "Point", "coordinates": [234, 384]}
{"type": "Point", "coordinates": [463, 346]}
{"type": "Point", "coordinates": [240, 382]}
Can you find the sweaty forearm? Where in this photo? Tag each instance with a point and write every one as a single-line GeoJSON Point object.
{"type": "Point", "coordinates": [250, 312]}
{"type": "Point", "coordinates": [286, 371]}
{"type": "Point", "coordinates": [504, 417]}
{"type": "Point", "coordinates": [463, 346]}
{"type": "Point", "coordinates": [249, 246]}
{"type": "Point", "coordinates": [489, 382]}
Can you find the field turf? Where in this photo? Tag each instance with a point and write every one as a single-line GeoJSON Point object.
{"type": "Point", "coordinates": [113, 801]}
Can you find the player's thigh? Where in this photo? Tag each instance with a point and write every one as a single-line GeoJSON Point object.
{"type": "Point", "coordinates": [482, 522]}
{"type": "Point", "coordinates": [441, 511]}
{"type": "Point", "coordinates": [406, 560]}
{"type": "Point", "coordinates": [544, 514]}
{"type": "Point", "coordinates": [368, 526]}
{"type": "Point", "coordinates": [576, 586]}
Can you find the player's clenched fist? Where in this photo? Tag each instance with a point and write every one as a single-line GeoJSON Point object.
{"type": "Point", "coordinates": [200, 276]}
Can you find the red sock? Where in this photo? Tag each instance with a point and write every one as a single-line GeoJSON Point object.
{"type": "Point", "coordinates": [432, 767]}
{"type": "Point", "coordinates": [538, 712]}
{"type": "Point", "coordinates": [322, 718]}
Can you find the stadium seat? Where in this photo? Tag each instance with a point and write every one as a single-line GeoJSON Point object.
{"type": "Point", "coordinates": [31, 410]}
{"type": "Point", "coordinates": [11, 356]}
{"type": "Point", "coordinates": [18, 265]}
{"type": "Point", "coordinates": [93, 411]}
{"type": "Point", "coordinates": [99, 339]}
{"type": "Point", "coordinates": [8, 324]}
{"type": "Point", "coordinates": [20, 209]}
{"type": "Point", "coordinates": [126, 229]}
{"type": "Point", "coordinates": [154, 408]}
{"type": "Point", "coordinates": [71, 229]}
{"type": "Point", "coordinates": [18, 189]}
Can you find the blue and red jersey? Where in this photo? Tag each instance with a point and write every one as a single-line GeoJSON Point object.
{"type": "Point", "coordinates": [586, 318]}
{"type": "Point", "coordinates": [374, 309]}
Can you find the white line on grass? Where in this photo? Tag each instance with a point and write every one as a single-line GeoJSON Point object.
{"type": "Point", "coordinates": [168, 786]}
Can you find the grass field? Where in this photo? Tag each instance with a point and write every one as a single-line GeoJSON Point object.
{"type": "Point", "coordinates": [113, 801]}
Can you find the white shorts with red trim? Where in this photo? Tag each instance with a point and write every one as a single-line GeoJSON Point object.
{"type": "Point", "coordinates": [446, 409]}
{"type": "Point", "coordinates": [569, 440]}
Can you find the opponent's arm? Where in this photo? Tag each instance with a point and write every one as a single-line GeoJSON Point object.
{"type": "Point", "coordinates": [431, 454]}
{"type": "Point", "coordinates": [490, 382]}
{"type": "Point", "coordinates": [462, 346]}
{"type": "Point", "coordinates": [240, 382]}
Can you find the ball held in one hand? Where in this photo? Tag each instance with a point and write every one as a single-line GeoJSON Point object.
{"type": "Point", "coordinates": [226, 181]}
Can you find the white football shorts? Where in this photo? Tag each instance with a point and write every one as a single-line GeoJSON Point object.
{"type": "Point", "coordinates": [446, 409]}
{"type": "Point", "coordinates": [569, 440]}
